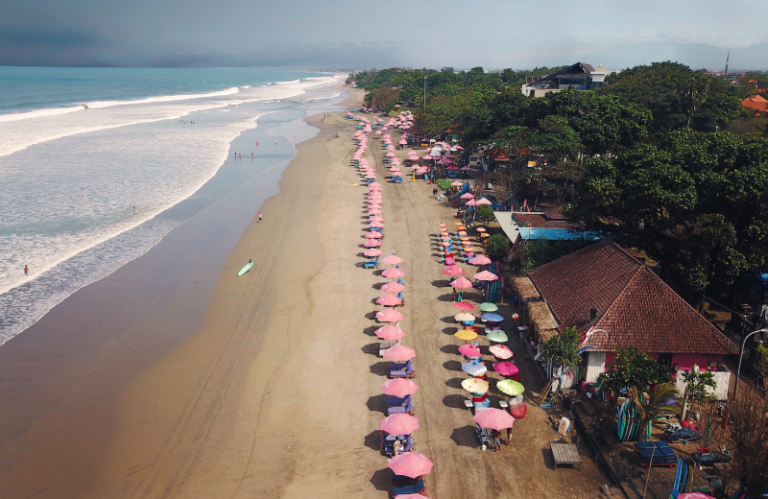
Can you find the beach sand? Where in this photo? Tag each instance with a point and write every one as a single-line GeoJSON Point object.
{"type": "Point", "coordinates": [277, 392]}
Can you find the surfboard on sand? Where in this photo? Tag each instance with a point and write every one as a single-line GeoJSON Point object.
{"type": "Point", "coordinates": [245, 269]}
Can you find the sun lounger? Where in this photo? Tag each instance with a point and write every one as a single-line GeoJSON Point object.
{"type": "Point", "coordinates": [414, 488]}
{"type": "Point", "coordinates": [399, 366]}
{"type": "Point", "coordinates": [401, 409]}
{"type": "Point", "coordinates": [656, 453]}
{"type": "Point", "coordinates": [371, 265]}
{"type": "Point", "coordinates": [396, 401]}
{"type": "Point", "coordinates": [407, 372]}
{"type": "Point", "coordinates": [406, 444]}
{"type": "Point", "coordinates": [397, 180]}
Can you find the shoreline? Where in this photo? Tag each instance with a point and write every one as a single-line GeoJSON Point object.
{"type": "Point", "coordinates": [73, 413]}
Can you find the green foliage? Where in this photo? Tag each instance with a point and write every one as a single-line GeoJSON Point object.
{"type": "Point", "coordinates": [444, 183]}
{"type": "Point", "coordinates": [497, 246]}
{"type": "Point", "coordinates": [632, 368]}
{"type": "Point", "coordinates": [563, 348]}
{"type": "Point", "coordinates": [697, 383]}
{"type": "Point", "coordinates": [653, 406]}
{"type": "Point", "coordinates": [484, 213]}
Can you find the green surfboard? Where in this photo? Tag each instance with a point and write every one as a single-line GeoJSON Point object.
{"type": "Point", "coordinates": [245, 269]}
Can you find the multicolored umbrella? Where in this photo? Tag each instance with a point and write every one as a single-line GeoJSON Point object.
{"type": "Point", "coordinates": [399, 387]}
{"type": "Point", "coordinates": [475, 385]}
{"type": "Point", "coordinates": [410, 464]}
{"type": "Point", "coordinates": [501, 352]}
{"type": "Point", "coordinates": [470, 351]}
{"type": "Point", "coordinates": [399, 353]}
{"type": "Point", "coordinates": [463, 305]}
{"type": "Point", "coordinates": [510, 387]}
{"type": "Point", "coordinates": [474, 368]}
{"type": "Point", "coordinates": [494, 418]}
{"type": "Point", "coordinates": [497, 336]}
{"type": "Point", "coordinates": [399, 424]}
{"type": "Point", "coordinates": [506, 368]}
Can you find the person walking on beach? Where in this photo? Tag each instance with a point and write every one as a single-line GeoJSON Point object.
{"type": "Point", "coordinates": [509, 436]}
{"type": "Point", "coordinates": [496, 436]}
{"type": "Point", "coordinates": [26, 270]}
{"type": "Point", "coordinates": [260, 217]}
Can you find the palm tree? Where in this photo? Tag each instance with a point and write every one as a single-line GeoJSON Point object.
{"type": "Point", "coordinates": [651, 408]}
{"type": "Point", "coordinates": [695, 95]}
{"type": "Point", "coordinates": [563, 348]}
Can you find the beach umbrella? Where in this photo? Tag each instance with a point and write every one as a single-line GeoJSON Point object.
{"type": "Point", "coordinates": [399, 353]}
{"type": "Point", "coordinates": [475, 385]}
{"type": "Point", "coordinates": [465, 334]}
{"type": "Point", "coordinates": [403, 142]}
{"type": "Point", "coordinates": [480, 229]}
{"type": "Point", "coordinates": [494, 418]}
{"type": "Point", "coordinates": [463, 305]}
{"type": "Point", "coordinates": [506, 368]}
{"type": "Point", "coordinates": [488, 307]}
{"type": "Point", "coordinates": [456, 184]}
{"type": "Point", "coordinates": [374, 185]}
{"type": "Point", "coordinates": [467, 195]}
{"type": "Point", "coordinates": [410, 464]}
{"type": "Point", "coordinates": [469, 351]}
{"type": "Point", "coordinates": [474, 368]}
{"type": "Point", "coordinates": [501, 352]}
{"type": "Point", "coordinates": [388, 300]}
{"type": "Point", "coordinates": [497, 336]}
{"type": "Point", "coordinates": [393, 287]}
{"type": "Point", "coordinates": [480, 260]}
{"type": "Point", "coordinates": [452, 270]}
{"type": "Point", "coordinates": [461, 283]}
{"type": "Point", "coordinates": [393, 273]}
{"type": "Point", "coordinates": [485, 276]}
{"type": "Point", "coordinates": [510, 387]}
{"type": "Point", "coordinates": [691, 495]}
{"type": "Point", "coordinates": [392, 259]}
{"type": "Point", "coordinates": [374, 211]}
{"type": "Point", "coordinates": [399, 424]}
{"type": "Point", "coordinates": [483, 201]}
{"type": "Point", "coordinates": [372, 243]}
{"type": "Point", "coordinates": [374, 235]}
{"type": "Point", "coordinates": [471, 202]}
{"type": "Point", "coordinates": [389, 333]}
{"type": "Point", "coordinates": [463, 317]}
{"type": "Point", "coordinates": [491, 317]}
{"type": "Point", "coordinates": [373, 252]}
{"type": "Point", "coordinates": [399, 387]}
{"type": "Point", "coordinates": [389, 315]}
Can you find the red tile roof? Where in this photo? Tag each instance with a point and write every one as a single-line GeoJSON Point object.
{"type": "Point", "coordinates": [498, 155]}
{"type": "Point", "coordinates": [756, 102]}
{"type": "Point", "coordinates": [554, 213]}
{"type": "Point", "coordinates": [634, 306]}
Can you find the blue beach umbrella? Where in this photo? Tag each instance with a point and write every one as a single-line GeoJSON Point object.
{"type": "Point", "coordinates": [490, 317]}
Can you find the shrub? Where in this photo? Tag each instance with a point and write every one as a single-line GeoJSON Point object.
{"type": "Point", "coordinates": [497, 246]}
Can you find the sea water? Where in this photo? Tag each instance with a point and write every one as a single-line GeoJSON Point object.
{"type": "Point", "coordinates": [93, 160]}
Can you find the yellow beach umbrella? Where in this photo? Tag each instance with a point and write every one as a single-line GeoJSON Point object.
{"type": "Point", "coordinates": [465, 334]}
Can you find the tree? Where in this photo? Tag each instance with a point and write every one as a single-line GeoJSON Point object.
{"type": "Point", "coordinates": [497, 246]}
{"type": "Point", "coordinates": [632, 368]}
{"type": "Point", "coordinates": [484, 213]}
{"type": "Point", "coordinates": [653, 406]}
{"type": "Point", "coordinates": [695, 94]}
{"type": "Point", "coordinates": [697, 383]}
{"type": "Point", "coordinates": [563, 349]}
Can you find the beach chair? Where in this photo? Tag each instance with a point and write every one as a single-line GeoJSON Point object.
{"type": "Point", "coordinates": [371, 265]}
{"type": "Point", "coordinates": [406, 444]}
{"type": "Point", "coordinates": [400, 297]}
{"type": "Point", "coordinates": [384, 345]}
{"type": "Point", "coordinates": [406, 372]}
{"type": "Point", "coordinates": [401, 409]}
{"type": "Point", "coordinates": [396, 401]}
{"type": "Point", "coordinates": [397, 180]}
{"type": "Point", "coordinates": [411, 488]}
{"type": "Point", "coordinates": [400, 366]}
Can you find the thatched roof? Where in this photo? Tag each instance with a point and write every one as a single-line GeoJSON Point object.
{"type": "Point", "coordinates": [525, 289]}
{"type": "Point", "coordinates": [541, 319]}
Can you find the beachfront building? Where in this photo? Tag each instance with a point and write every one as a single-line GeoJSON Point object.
{"type": "Point", "coordinates": [550, 225]}
{"type": "Point", "coordinates": [619, 302]}
{"type": "Point", "coordinates": [756, 102]}
{"type": "Point", "coordinates": [580, 76]}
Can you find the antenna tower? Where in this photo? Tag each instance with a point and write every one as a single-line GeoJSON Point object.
{"type": "Point", "coordinates": [725, 75]}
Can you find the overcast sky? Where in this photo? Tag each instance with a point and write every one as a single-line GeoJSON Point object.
{"type": "Point", "coordinates": [379, 33]}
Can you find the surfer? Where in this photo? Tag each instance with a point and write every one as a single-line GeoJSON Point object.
{"type": "Point", "coordinates": [26, 270]}
{"type": "Point", "coordinates": [260, 217]}
{"type": "Point", "coordinates": [250, 261]}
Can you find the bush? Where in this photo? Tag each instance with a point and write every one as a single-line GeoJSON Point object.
{"type": "Point", "coordinates": [497, 246]}
{"type": "Point", "coordinates": [444, 183]}
{"type": "Point", "coordinates": [484, 213]}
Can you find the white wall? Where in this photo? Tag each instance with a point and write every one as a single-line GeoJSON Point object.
{"type": "Point", "coordinates": [722, 378]}
{"type": "Point", "coordinates": [595, 365]}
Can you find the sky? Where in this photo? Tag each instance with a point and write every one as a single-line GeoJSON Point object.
{"type": "Point", "coordinates": [494, 34]}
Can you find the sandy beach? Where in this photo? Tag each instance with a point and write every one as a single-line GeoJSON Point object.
{"type": "Point", "coordinates": [277, 391]}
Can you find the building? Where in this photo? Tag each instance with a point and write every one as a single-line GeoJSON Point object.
{"type": "Point", "coordinates": [580, 77]}
{"type": "Point", "coordinates": [756, 102]}
{"type": "Point", "coordinates": [550, 225]}
{"type": "Point", "coordinates": [619, 302]}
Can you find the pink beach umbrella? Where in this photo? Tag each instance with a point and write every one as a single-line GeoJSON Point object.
{"type": "Point", "coordinates": [372, 243]}
{"type": "Point", "coordinates": [392, 259]}
{"type": "Point", "coordinates": [464, 305]}
{"type": "Point", "coordinates": [480, 260]}
{"type": "Point", "coordinates": [390, 154]}
{"type": "Point", "coordinates": [450, 261]}
{"type": "Point", "coordinates": [483, 201]}
{"type": "Point", "coordinates": [471, 202]}
{"type": "Point", "coordinates": [485, 276]}
{"type": "Point", "coordinates": [389, 315]}
{"type": "Point", "coordinates": [393, 273]}
{"type": "Point", "coordinates": [374, 211]}
{"type": "Point", "coordinates": [494, 418]}
{"type": "Point", "coordinates": [461, 283]}
{"type": "Point", "coordinates": [467, 195]}
{"type": "Point", "coordinates": [374, 235]}
{"type": "Point", "coordinates": [456, 183]}
{"type": "Point", "coordinates": [399, 387]}
{"type": "Point", "coordinates": [393, 287]}
{"type": "Point", "coordinates": [374, 185]}
{"type": "Point", "coordinates": [399, 424]}
{"type": "Point", "coordinates": [411, 464]}
{"type": "Point", "coordinates": [694, 495]}
{"type": "Point", "coordinates": [399, 353]}
{"type": "Point", "coordinates": [370, 253]}
{"type": "Point", "coordinates": [506, 368]}
{"type": "Point", "coordinates": [389, 333]}
{"type": "Point", "coordinates": [452, 270]}
{"type": "Point", "coordinates": [403, 142]}
{"type": "Point", "coordinates": [501, 352]}
{"type": "Point", "coordinates": [470, 351]}
{"type": "Point", "coordinates": [388, 300]}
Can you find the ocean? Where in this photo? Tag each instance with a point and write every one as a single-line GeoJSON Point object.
{"type": "Point", "coordinates": [98, 164]}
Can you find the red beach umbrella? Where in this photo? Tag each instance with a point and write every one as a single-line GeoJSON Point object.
{"type": "Point", "coordinates": [374, 235]}
{"type": "Point", "coordinates": [501, 352]}
{"type": "Point", "coordinates": [464, 305]}
{"type": "Point", "coordinates": [506, 368]}
{"type": "Point", "coordinates": [469, 351]}
{"type": "Point", "coordinates": [480, 260]}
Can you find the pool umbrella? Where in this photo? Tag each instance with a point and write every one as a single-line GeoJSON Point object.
{"type": "Point", "coordinates": [463, 305]}
{"type": "Point", "coordinates": [488, 307]}
{"type": "Point", "coordinates": [463, 317]}
{"type": "Point", "coordinates": [475, 385]}
{"type": "Point", "coordinates": [370, 253]}
{"type": "Point", "coordinates": [474, 368]}
{"type": "Point", "coordinates": [510, 387]}
{"type": "Point", "coordinates": [506, 368]}
{"type": "Point", "coordinates": [497, 336]}
{"type": "Point", "coordinates": [491, 317]}
{"type": "Point", "coordinates": [388, 300]}
{"type": "Point", "coordinates": [465, 334]}
{"type": "Point", "coordinates": [501, 352]}
{"type": "Point", "coordinates": [461, 283]}
{"type": "Point", "coordinates": [410, 464]}
{"type": "Point", "coordinates": [485, 276]}
{"type": "Point", "coordinates": [389, 333]}
{"type": "Point", "coordinates": [399, 387]}
{"type": "Point", "coordinates": [392, 259]}
{"type": "Point", "coordinates": [393, 273]}
{"type": "Point", "coordinates": [389, 315]}
{"type": "Point", "coordinates": [399, 424]}
{"type": "Point", "coordinates": [399, 353]}
{"type": "Point", "coordinates": [372, 243]}
{"type": "Point", "coordinates": [483, 201]}
{"type": "Point", "coordinates": [494, 418]}
{"type": "Point", "coordinates": [452, 270]}
{"type": "Point", "coordinates": [374, 235]}
{"type": "Point", "coordinates": [393, 287]}
{"type": "Point", "coordinates": [469, 351]}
